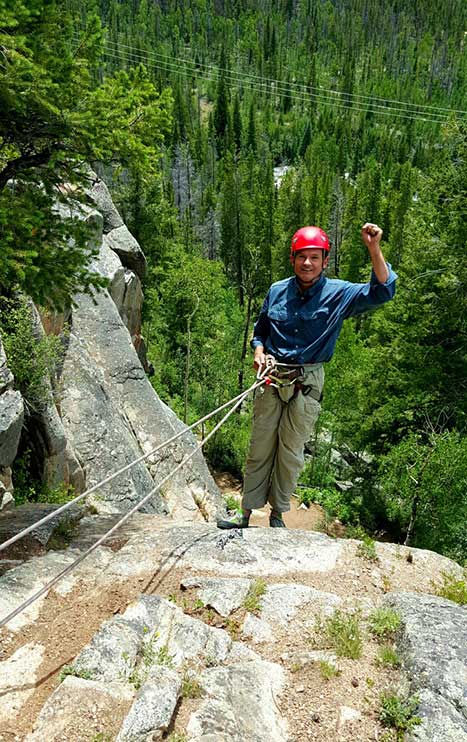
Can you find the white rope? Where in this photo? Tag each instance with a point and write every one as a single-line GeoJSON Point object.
{"type": "Point", "coordinates": [111, 477]}
{"type": "Point", "coordinates": [127, 515]}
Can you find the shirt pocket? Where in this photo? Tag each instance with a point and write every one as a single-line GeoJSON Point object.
{"type": "Point", "coordinates": [316, 323]}
{"type": "Point", "coordinates": [278, 314]}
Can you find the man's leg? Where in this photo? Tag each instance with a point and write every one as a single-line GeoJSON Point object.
{"type": "Point", "coordinates": [296, 426]}
{"type": "Point", "coordinates": [267, 413]}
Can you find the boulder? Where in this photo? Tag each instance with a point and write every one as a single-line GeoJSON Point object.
{"type": "Point", "coordinates": [240, 704]}
{"type": "Point", "coordinates": [100, 195]}
{"type": "Point", "coordinates": [153, 708]}
{"type": "Point", "coordinates": [18, 677]}
{"type": "Point", "coordinates": [11, 422]}
{"type": "Point", "coordinates": [125, 288]}
{"type": "Point", "coordinates": [82, 710]}
{"type": "Point", "coordinates": [6, 377]}
{"type": "Point", "coordinates": [98, 432]}
{"type": "Point", "coordinates": [433, 643]}
{"type": "Point", "coordinates": [113, 414]}
{"type": "Point", "coordinates": [224, 595]}
{"type": "Point", "coordinates": [121, 241]}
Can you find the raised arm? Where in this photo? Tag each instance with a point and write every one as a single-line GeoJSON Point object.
{"type": "Point", "coordinates": [371, 238]}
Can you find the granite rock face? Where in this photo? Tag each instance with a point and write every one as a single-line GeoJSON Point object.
{"type": "Point", "coordinates": [433, 642]}
{"type": "Point", "coordinates": [11, 422]}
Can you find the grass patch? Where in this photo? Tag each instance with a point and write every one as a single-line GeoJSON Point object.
{"type": "Point", "coordinates": [252, 602]}
{"type": "Point", "coordinates": [191, 687]}
{"type": "Point", "coordinates": [231, 503]}
{"type": "Point", "coordinates": [452, 588]}
{"type": "Point", "coordinates": [384, 622]}
{"type": "Point", "coordinates": [342, 632]}
{"type": "Point", "coordinates": [76, 672]}
{"type": "Point", "coordinates": [328, 670]}
{"type": "Point", "coordinates": [232, 626]}
{"type": "Point", "coordinates": [398, 712]}
{"type": "Point", "coordinates": [162, 657]}
{"type": "Point", "coordinates": [388, 657]}
{"type": "Point", "coordinates": [367, 549]}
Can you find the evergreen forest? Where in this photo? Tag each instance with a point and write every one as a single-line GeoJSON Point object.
{"type": "Point", "coordinates": [221, 127]}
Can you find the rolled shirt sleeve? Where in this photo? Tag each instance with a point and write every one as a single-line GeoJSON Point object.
{"type": "Point", "coordinates": [365, 296]}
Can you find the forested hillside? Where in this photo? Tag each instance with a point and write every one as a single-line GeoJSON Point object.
{"type": "Point", "coordinates": [223, 126]}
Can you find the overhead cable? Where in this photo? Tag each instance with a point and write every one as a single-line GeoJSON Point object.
{"type": "Point", "coordinates": [237, 79]}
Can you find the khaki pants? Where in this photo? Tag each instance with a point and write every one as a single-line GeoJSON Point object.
{"type": "Point", "coordinates": [282, 423]}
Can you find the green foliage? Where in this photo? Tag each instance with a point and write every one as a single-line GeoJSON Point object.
{"type": "Point", "coordinates": [328, 671]}
{"type": "Point", "coordinates": [388, 657]}
{"type": "Point", "coordinates": [367, 549]}
{"type": "Point", "coordinates": [342, 632]}
{"type": "Point", "coordinates": [32, 357]}
{"type": "Point", "coordinates": [452, 588]}
{"type": "Point", "coordinates": [177, 737]}
{"type": "Point", "coordinates": [162, 657]}
{"type": "Point", "coordinates": [252, 602]}
{"type": "Point", "coordinates": [398, 711]}
{"type": "Point", "coordinates": [425, 490]}
{"type": "Point", "coordinates": [55, 118]}
{"type": "Point", "coordinates": [384, 622]}
{"type": "Point", "coordinates": [29, 489]}
{"type": "Point", "coordinates": [231, 503]}
{"type": "Point", "coordinates": [77, 673]}
{"type": "Point", "coordinates": [191, 687]}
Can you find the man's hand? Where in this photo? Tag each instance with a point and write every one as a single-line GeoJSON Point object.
{"type": "Point", "coordinates": [259, 360]}
{"type": "Point", "coordinates": [371, 235]}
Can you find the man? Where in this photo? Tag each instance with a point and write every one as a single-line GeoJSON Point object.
{"type": "Point", "coordinates": [299, 324]}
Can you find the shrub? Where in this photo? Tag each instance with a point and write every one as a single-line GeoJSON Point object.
{"type": "Point", "coordinates": [252, 601]}
{"type": "Point", "coordinates": [398, 711]}
{"type": "Point", "coordinates": [32, 360]}
{"type": "Point", "coordinates": [384, 622]}
{"type": "Point", "coordinates": [342, 632]}
{"type": "Point", "coordinates": [452, 588]}
{"type": "Point", "coordinates": [388, 657]}
{"type": "Point", "coordinates": [367, 549]}
{"type": "Point", "coordinates": [328, 670]}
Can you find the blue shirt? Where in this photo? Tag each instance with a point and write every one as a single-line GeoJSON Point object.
{"type": "Point", "coordinates": [298, 327]}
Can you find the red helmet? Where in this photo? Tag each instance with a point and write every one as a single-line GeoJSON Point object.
{"type": "Point", "coordinates": [309, 237]}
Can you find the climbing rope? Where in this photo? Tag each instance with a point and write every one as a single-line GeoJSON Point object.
{"type": "Point", "coordinates": [116, 474]}
{"type": "Point", "coordinates": [238, 400]}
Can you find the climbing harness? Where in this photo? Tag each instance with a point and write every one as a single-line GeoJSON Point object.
{"type": "Point", "coordinates": [237, 402]}
{"type": "Point", "coordinates": [279, 374]}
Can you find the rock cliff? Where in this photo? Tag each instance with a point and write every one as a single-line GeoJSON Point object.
{"type": "Point", "coordinates": [105, 413]}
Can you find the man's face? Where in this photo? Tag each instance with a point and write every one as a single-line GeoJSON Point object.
{"type": "Point", "coordinates": [308, 265]}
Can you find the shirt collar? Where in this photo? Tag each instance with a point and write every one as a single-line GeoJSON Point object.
{"type": "Point", "coordinates": [313, 289]}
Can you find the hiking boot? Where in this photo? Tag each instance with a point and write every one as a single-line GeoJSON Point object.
{"type": "Point", "coordinates": [275, 521]}
{"type": "Point", "coordinates": [237, 521]}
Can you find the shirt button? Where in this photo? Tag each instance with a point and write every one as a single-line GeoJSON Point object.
{"type": "Point", "coordinates": [295, 330]}
{"type": "Point", "coordinates": [296, 346]}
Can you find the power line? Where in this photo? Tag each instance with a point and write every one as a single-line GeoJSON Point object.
{"type": "Point", "coordinates": [415, 108]}
{"type": "Point", "coordinates": [235, 79]}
